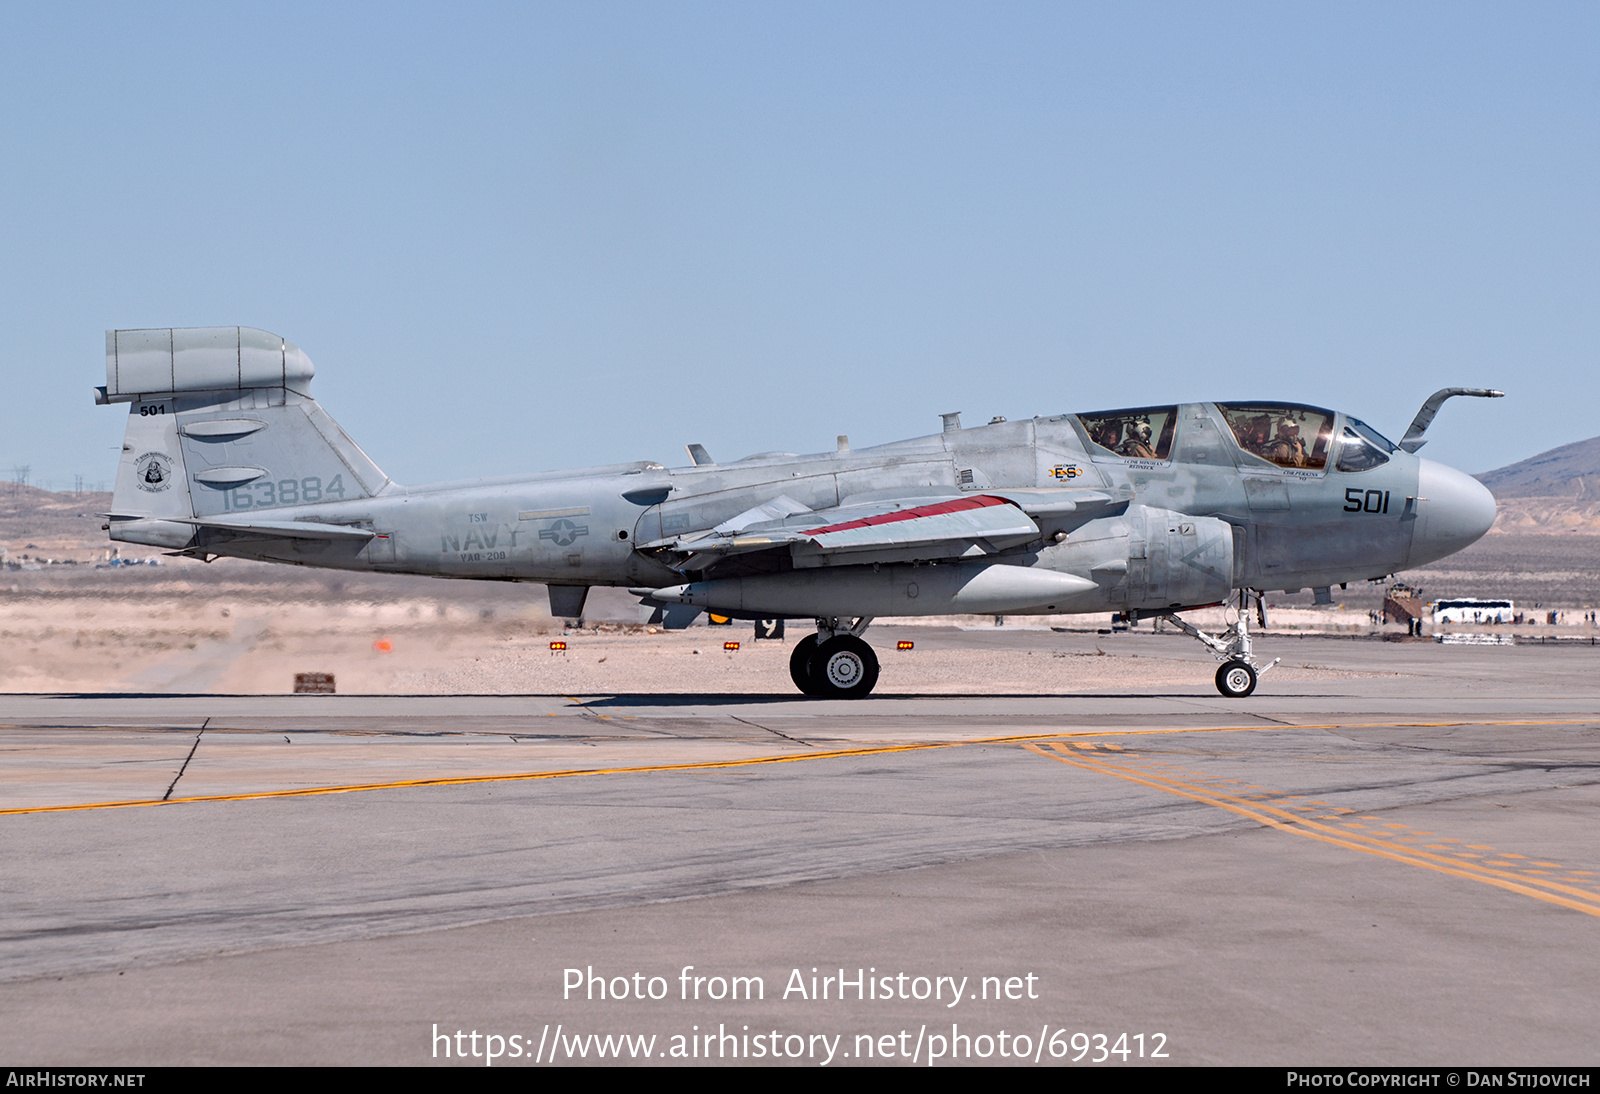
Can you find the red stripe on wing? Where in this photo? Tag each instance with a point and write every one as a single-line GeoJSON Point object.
{"type": "Point", "coordinates": [982, 501]}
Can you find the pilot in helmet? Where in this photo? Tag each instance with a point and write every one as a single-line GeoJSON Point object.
{"type": "Point", "coordinates": [1138, 443]}
{"type": "Point", "coordinates": [1287, 447]}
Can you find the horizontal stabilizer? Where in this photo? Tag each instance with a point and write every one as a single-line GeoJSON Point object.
{"type": "Point", "coordinates": [284, 529]}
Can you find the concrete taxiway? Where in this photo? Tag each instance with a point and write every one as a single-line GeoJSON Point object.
{"type": "Point", "coordinates": [1395, 864]}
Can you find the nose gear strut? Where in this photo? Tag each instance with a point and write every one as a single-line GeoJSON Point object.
{"type": "Point", "coordinates": [1240, 669]}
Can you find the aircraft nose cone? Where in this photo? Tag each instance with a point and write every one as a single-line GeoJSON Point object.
{"type": "Point", "coordinates": [1453, 510]}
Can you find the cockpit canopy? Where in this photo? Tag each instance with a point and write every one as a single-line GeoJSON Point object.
{"type": "Point", "coordinates": [1141, 433]}
{"type": "Point", "coordinates": [1282, 433]}
{"type": "Point", "coordinates": [1361, 447]}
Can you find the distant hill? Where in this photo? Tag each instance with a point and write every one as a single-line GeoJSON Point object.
{"type": "Point", "coordinates": [1555, 491]}
{"type": "Point", "coordinates": [45, 524]}
{"type": "Point", "coordinates": [1571, 471]}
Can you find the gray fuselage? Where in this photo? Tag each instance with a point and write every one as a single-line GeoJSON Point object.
{"type": "Point", "coordinates": [1288, 527]}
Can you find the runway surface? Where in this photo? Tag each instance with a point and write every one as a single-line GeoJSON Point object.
{"type": "Point", "coordinates": [1397, 865]}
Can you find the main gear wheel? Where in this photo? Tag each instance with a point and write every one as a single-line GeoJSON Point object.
{"type": "Point", "coordinates": [844, 667]}
{"type": "Point", "coordinates": [800, 665]}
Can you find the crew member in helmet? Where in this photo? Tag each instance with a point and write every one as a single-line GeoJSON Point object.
{"type": "Point", "coordinates": [1107, 434]}
{"type": "Point", "coordinates": [1287, 447]}
{"type": "Point", "coordinates": [1138, 443]}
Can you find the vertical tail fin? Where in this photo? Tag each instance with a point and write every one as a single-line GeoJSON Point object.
{"type": "Point", "coordinates": [221, 420]}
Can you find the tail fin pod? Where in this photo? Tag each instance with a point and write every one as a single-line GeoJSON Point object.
{"type": "Point", "coordinates": [221, 420]}
{"type": "Point", "coordinates": [166, 361]}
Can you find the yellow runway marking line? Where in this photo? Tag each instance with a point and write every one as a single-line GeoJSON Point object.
{"type": "Point", "coordinates": [1578, 900]}
{"type": "Point", "coordinates": [723, 764]}
{"type": "Point", "coordinates": [709, 765]}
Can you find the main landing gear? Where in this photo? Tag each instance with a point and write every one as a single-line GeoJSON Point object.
{"type": "Point", "coordinates": [1240, 670]}
{"type": "Point", "coordinates": [835, 663]}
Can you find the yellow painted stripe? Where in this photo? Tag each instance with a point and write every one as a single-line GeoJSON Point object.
{"type": "Point", "coordinates": [1338, 833]}
{"type": "Point", "coordinates": [707, 765]}
{"type": "Point", "coordinates": [836, 754]}
{"type": "Point", "coordinates": [1283, 821]}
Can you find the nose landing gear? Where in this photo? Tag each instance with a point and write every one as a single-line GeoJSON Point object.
{"type": "Point", "coordinates": [1240, 670]}
{"type": "Point", "coordinates": [1236, 679]}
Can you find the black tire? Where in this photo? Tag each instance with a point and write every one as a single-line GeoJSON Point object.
{"type": "Point", "coordinates": [1236, 679]}
{"type": "Point", "coordinates": [844, 668]}
{"type": "Point", "coordinates": [800, 664]}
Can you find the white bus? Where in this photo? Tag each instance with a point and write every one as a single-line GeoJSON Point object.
{"type": "Point", "coordinates": [1468, 610]}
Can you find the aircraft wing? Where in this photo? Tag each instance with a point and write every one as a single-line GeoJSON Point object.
{"type": "Point", "coordinates": [899, 529]}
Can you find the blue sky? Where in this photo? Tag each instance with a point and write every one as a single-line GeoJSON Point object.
{"type": "Point", "coordinates": [526, 237]}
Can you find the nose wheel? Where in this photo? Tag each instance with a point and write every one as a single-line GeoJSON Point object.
{"type": "Point", "coordinates": [1236, 679]}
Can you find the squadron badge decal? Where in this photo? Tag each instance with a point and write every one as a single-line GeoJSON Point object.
{"type": "Point", "coordinates": [152, 472]}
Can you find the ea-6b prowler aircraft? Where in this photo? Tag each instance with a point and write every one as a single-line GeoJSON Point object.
{"type": "Point", "coordinates": [1147, 511]}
